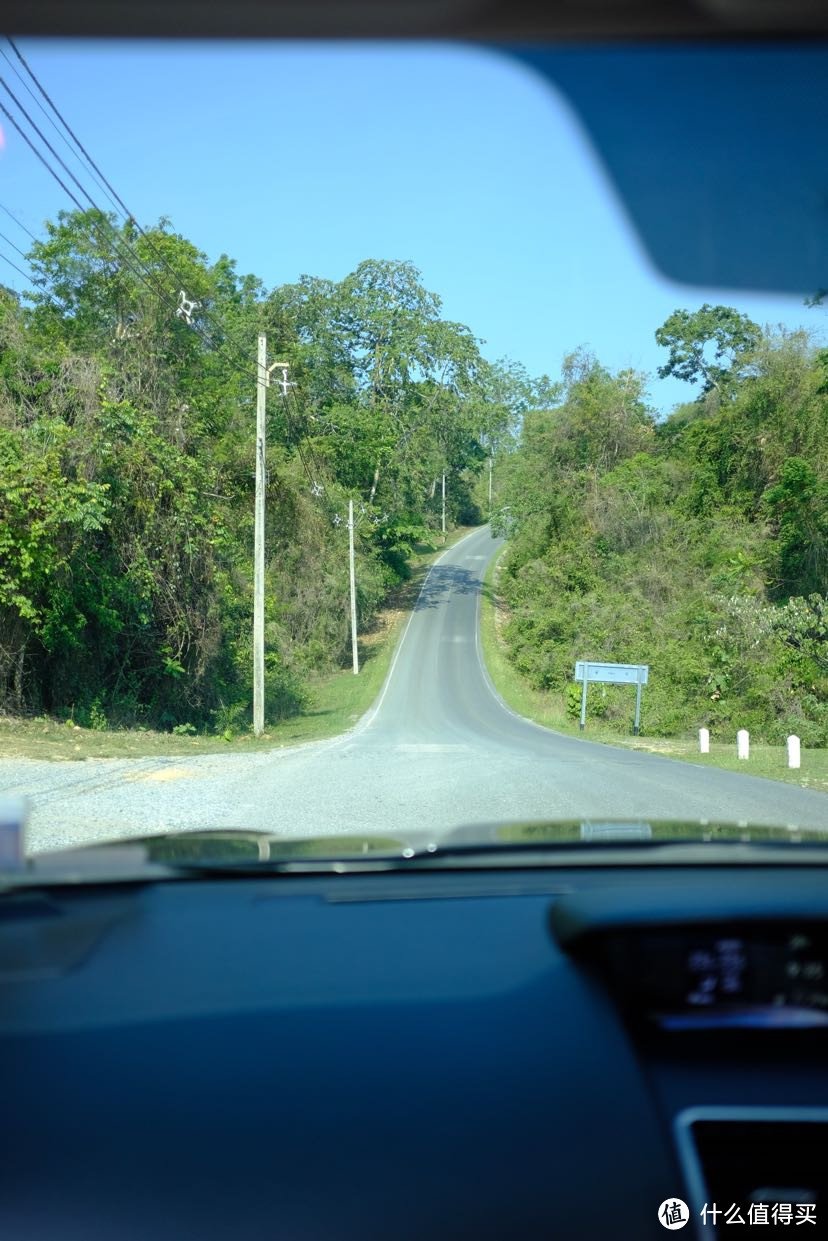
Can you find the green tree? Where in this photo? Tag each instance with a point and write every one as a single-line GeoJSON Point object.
{"type": "Point", "coordinates": [798, 505]}
{"type": "Point", "coordinates": [713, 344]}
{"type": "Point", "coordinates": [126, 452]}
{"type": "Point", "coordinates": [700, 544]}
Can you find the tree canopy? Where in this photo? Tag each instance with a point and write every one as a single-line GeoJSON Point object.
{"type": "Point", "coordinates": [696, 543]}
{"type": "Point", "coordinates": [712, 344]}
{"type": "Point", "coordinates": [126, 449]}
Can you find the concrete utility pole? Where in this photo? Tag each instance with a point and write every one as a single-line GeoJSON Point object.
{"type": "Point", "coordinates": [262, 384]}
{"type": "Point", "coordinates": [258, 542]}
{"type": "Point", "coordinates": [354, 649]}
{"type": "Point", "coordinates": [444, 503]}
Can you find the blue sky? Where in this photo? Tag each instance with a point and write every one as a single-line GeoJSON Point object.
{"type": "Point", "coordinates": [308, 158]}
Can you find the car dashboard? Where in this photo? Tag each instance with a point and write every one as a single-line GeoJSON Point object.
{"type": "Point", "coordinates": [479, 1053]}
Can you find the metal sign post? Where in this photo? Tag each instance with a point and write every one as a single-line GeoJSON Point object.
{"type": "Point", "coordinates": [613, 674]}
{"type": "Point", "coordinates": [637, 707]}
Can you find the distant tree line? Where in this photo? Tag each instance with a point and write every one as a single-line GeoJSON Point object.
{"type": "Point", "coordinates": [697, 543]}
{"type": "Point", "coordinates": [127, 469]}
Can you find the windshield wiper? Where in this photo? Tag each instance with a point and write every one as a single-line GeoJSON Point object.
{"type": "Point", "coordinates": [489, 856]}
{"type": "Point", "coordinates": [237, 854]}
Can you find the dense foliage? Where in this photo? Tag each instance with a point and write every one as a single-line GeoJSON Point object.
{"type": "Point", "coordinates": [127, 469]}
{"type": "Point", "coordinates": [697, 543]}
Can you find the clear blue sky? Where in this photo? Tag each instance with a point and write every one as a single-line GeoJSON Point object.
{"type": "Point", "coordinates": [307, 158]}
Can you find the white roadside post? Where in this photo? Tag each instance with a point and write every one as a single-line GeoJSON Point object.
{"type": "Point", "coordinates": [704, 741]}
{"type": "Point", "coordinates": [743, 743]}
{"type": "Point", "coordinates": [793, 751]}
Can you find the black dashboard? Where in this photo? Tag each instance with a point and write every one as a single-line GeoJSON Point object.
{"type": "Point", "coordinates": [481, 1054]}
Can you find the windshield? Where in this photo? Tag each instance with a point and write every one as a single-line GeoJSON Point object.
{"type": "Point", "coordinates": [398, 440]}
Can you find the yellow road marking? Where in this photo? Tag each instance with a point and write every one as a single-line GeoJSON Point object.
{"type": "Point", "coordinates": [163, 773]}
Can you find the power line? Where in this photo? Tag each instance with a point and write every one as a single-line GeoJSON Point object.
{"type": "Point", "coordinates": [19, 223]}
{"type": "Point", "coordinates": [319, 479]}
{"type": "Point", "coordinates": [48, 145]}
{"type": "Point", "coordinates": [13, 246]}
{"type": "Point", "coordinates": [122, 247]}
{"type": "Point", "coordinates": [51, 170]}
{"type": "Point", "coordinates": [41, 157]}
{"type": "Point", "coordinates": [32, 95]}
{"type": "Point", "coordinates": [6, 259]}
{"type": "Point", "coordinates": [68, 128]}
{"type": "Point", "coordinates": [113, 195]}
{"type": "Point", "coordinates": [82, 338]}
{"type": "Point", "coordinates": [311, 479]}
{"type": "Point", "coordinates": [119, 251]}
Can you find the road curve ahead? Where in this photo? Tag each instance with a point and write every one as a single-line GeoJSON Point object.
{"type": "Point", "coordinates": [442, 748]}
{"type": "Point", "coordinates": [438, 750]}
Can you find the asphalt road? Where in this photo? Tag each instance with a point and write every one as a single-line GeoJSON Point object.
{"type": "Point", "coordinates": [439, 749]}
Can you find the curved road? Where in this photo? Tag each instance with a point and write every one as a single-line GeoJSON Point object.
{"type": "Point", "coordinates": [439, 749]}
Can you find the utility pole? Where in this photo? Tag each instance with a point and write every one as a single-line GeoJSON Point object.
{"type": "Point", "coordinates": [491, 463]}
{"type": "Point", "coordinates": [444, 504]}
{"type": "Point", "coordinates": [262, 384]}
{"type": "Point", "coordinates": [258, 542]}
{"type": "Point", "coordinates": [354, 649]}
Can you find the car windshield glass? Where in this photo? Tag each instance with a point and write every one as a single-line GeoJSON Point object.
{"type": "Point", "coordinates": [403, 440]}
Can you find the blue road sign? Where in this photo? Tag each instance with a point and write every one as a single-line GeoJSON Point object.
{"type": "Point", "coordinates": [618, 674]}
{"type": "Point", "coordinates": [615, 674]}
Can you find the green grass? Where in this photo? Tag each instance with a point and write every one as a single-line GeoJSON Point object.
{"type": "Point", "coordinates": [337, 701]}
{"type": "Point", "coordinates": [548, 709]}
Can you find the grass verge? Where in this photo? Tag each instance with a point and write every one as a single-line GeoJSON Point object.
{"type": "Point", "coordinates": [548, 709]}
{"type": "Point", "coordinates": [338, 699]}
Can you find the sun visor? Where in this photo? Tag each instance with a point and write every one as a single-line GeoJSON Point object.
{"type": "Point", "coordinates": [718, 153]}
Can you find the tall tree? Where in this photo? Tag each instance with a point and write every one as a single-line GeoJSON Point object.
{"type": "Point", "coordinates": [713, 344]}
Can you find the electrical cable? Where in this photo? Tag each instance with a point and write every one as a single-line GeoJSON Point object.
{"type": "Point", "coordinates": [6, 259]}
{"type": "Point", "coordinates": [90, 161]}
{"type": "Point", "coordinates": [87, 339]}
{"type": "Point", "coordinates": [59, 133]}
{"type": "Point", "coordinates": [42, 159]}
{"type": "Point", "coordinates": [138, 272]}
{"type": "Point", "coordinates": [22, 253]}
{"type": "Point", "coordinates": [112, 193]}
{"type": "Point", "coordinates": [113, 196]}
{"type": "Point", "coordinates": [19, 223]}
{"type": "Point", "coordinates": [121, 247]}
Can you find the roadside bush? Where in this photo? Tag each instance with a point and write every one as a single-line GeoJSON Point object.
{"type": "Point", "coordinates": [699, 549]}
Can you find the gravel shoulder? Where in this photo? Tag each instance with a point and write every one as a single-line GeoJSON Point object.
{"type": "Point", "coordinates": [438, 750]}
